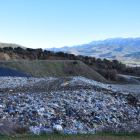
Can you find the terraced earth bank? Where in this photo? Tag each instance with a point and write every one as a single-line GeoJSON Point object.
{"type": "Point", "coordinates": [53, 68]}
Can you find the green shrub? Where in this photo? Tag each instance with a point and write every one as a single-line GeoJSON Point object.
{"type": "Point", "coordinates": [75, 62]}
{"type": "Point", "coordinates": [55, 131]}
{"type": "Point", "coordinates": [21, 130]}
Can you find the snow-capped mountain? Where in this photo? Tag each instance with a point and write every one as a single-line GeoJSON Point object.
{"type": "Point", "coordinates": [114, 41]}
{"type": "Point", "coordinates": [117, 40]}
{"type": "Point", "coordinates": [111, 48]}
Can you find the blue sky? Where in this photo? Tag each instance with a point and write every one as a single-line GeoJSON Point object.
{"type": "Point", "coordinates": [58, 23]}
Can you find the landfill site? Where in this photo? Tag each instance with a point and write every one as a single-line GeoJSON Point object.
{"type": "Point", "coordinates": [71, 105]}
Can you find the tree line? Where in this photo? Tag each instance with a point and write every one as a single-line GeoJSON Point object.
{"type": "Point", "coordinates": [107, 68]}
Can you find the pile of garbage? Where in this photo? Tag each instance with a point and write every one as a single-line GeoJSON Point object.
{"type": "Point", "coordinates": [72, 105]}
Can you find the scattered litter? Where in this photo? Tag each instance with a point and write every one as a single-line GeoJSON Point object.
{"type": "Point", "coordinates": [72, 105]}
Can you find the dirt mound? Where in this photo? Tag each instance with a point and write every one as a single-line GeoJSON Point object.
{"type": "Point", "coordinates": [54, 68]}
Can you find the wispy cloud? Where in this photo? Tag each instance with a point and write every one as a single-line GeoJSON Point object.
{"type": "Point", "coordinates": [138, 23]}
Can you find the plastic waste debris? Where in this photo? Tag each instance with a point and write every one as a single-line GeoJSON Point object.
{"type": "Point", "coordinates": [79, 106]}
{"type": "Point", "coordinates": [58, 127]}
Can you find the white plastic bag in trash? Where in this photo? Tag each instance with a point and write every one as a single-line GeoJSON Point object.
{"type": "Point", "coordinates": [58, 127]}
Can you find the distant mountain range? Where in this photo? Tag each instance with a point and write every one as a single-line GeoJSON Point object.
{"type": "Point", "coordinates": [13, 45]}
{"type": "Point", "coordinates": [112, 48]}
{"type": "Point", "coordinates": [126, 50]}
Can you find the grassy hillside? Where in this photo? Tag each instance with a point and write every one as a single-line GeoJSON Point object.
{"type": "Point", "coordinates": [134, 55]}
{"type": "Point", "coordinates": [103, 50]}
{"type": "Point", "coordinates": [53, 68]}
{"type": "Point", "coordinates": [6, 56]}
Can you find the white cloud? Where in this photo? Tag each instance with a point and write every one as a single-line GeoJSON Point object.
{"type": "Point", "coordinates": [138, 23]}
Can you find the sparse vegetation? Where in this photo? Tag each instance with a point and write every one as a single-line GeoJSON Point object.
{"type": "Point", "coordinates": [105, 67]}
{"type": "Point", "coordinates": [75, 62]}
{"type": "Point", "coordinates": [56, 68]}
{"type": "Point", "coordinates": [21, 130]}
{"type": "Point", "coordinates": [55, 131]}
{"type": "Point", "coordinates": [109, 74]}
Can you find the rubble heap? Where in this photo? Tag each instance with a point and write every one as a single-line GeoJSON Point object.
{"type": "Point", "coordinates": [75, 104]}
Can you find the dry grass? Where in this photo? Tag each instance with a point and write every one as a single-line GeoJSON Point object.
{"type": "Point", "coordinates": [4, 56]}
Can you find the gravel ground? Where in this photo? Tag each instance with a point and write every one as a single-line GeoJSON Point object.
{"type": "Point", "coordinates": [49, 84]}
{"type": "Point", "coordinates": [134, 89]}
{"type": "Point", "coordinates": [53, 84]}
